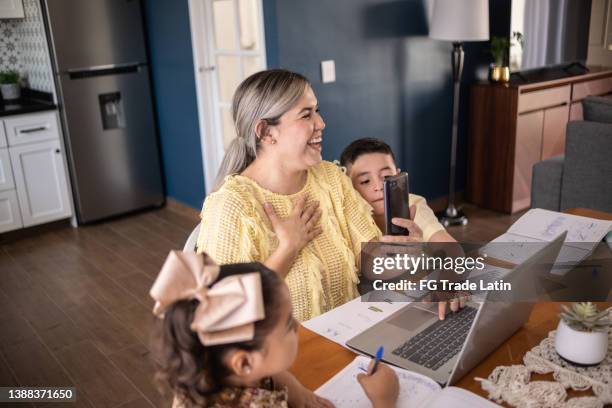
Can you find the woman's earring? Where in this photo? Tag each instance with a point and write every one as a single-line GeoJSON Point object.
{"type": "Point", "coordinates": [273, 141]}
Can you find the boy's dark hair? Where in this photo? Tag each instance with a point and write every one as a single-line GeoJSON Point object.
{"type": "Point", "coordinates": [364, 146]}
{"type": "Point", "coordinates": [194, 371]}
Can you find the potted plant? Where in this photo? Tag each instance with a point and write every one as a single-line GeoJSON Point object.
{"type": "Point", "coordinates": [582, 334]}
{"type": "Point", "coordinates": [9, 85]}
{"type": "Point", "coordinates": [499, 50]}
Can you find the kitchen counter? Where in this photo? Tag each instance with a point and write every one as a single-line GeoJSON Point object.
{"type": "Point", "coordinates": [30, 101]}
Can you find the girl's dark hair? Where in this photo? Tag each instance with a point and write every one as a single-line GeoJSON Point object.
{"type": "Point", "coordinates": [194, 371]}
{"type": "Point", "coordinates": [363, 146]}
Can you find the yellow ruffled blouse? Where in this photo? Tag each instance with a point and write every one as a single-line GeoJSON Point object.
{"type": "Point", "coordinates": [235, 228]}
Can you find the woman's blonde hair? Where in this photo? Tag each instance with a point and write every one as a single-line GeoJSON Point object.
{"type": "Point", "coordinates": [266, 96]}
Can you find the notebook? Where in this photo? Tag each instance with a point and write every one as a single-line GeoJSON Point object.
{"type": "Point", "coordinates": [416, 390]}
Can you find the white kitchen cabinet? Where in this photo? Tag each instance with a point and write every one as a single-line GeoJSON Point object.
{"type": "Point", "coordinates": [34, 186]}
{"type": "Point", "coordinates": [11, 9]}
{"type": "Point", "coordinates": [31, 128]}
{"type": "Point", "coordinates": [10, 216]}
{"type": "Point", "coordinates": [6, 174]}
{"type": "Point", "coordinates": [41, 182]}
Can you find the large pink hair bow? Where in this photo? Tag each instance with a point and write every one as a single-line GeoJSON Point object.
{"type": "Point", "coordinates": [227, 310]}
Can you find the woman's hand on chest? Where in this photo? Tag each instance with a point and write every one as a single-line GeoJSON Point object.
{"type": "Point", "coordinates": [300, 227]}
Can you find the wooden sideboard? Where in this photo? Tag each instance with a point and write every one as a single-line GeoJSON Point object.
{"type": "Point", "coordinates": [514, 126]}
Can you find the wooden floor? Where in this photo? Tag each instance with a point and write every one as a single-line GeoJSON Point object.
{"type": "Point", "coordinates": [75, 310]}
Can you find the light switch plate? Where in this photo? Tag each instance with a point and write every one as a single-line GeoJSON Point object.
{"type": "Point", "coordinates": [328, 71]}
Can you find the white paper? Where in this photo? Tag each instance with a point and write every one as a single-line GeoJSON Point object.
{"type": "Point", "coordinates": [568, 258]}
{"type": "Point", "coordinates": [513, 248]}
{"type": "Point", "coordinates": [346, 321]}
{"type": "Point", "coordinates": [582, 232]}
{"type": "Point", "coordinates": [344, 391]}
{"type": "Point", "coordinates": [537, 225]}
{"type": "Point", "coordinates": [458, 398]}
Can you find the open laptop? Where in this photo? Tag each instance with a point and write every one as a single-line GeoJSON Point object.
{"type": "Point", "coordinates": [445, 350]}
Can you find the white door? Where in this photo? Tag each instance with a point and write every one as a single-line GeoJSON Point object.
{"type": "Point", "coordinates": [41, 182]}
{"type": "Point", "coordinates": [228, 46]}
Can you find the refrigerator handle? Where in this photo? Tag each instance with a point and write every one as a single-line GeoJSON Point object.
{"type": "Point", "coordinates": [101, 70]}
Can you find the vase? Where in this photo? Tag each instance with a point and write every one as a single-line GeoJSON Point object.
{"type": "Point", "coordinates": [499, 73]}
{"type": "Point", "coordinates": [505, 74]}
{"type": "Point", "coordinates": [495, 73]}
{"type": "Point", "coordinates": [10, 91]}
{"type": "Point", "coordinates": [580, 347]}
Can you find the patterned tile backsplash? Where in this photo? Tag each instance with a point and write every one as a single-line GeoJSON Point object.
{"type": "Point", "coordinates": [23, 47]}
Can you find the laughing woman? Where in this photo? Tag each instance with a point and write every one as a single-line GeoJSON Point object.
{"type": "Point", "coordinates": [276, 201]}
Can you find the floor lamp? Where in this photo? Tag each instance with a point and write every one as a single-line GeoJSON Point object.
{"type": "Point", "coordinates": [458, 21]}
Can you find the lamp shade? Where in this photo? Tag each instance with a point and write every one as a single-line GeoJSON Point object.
{"type": "Point", "coordinates": [460, 20]}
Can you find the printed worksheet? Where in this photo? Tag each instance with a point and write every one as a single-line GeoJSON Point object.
{"type": "Point", "coordinates": [350, 319]}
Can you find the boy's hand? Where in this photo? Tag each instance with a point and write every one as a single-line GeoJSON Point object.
{"type": "Point", "coordinates": [455, 305]}
{"type": "Point", "coordinates": [382, 387]}
{"type": "Point", "coordinates": [414, 231]}
{"type": "Point", "coordinates": [455, 301]}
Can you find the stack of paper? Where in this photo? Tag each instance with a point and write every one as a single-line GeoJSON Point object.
{"type": "Point", "coordinates": [537, 225]}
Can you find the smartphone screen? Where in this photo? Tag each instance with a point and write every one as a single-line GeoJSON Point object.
{"type": "Point", "coordinates": [396, 202]}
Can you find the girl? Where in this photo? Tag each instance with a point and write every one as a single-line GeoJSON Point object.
{"type": "Point", "coordinates": [228, 337]}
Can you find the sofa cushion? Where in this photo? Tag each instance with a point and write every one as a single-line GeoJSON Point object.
{"type": "Point", "coordinates": [546, 183]}
{"type": "Point", "coordinates": [597, 109]}
{"type": "Point", "coordinates": [587, 168]}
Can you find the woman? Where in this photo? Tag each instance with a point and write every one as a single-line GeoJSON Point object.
{"type": "Point", "coordinates": [276, 201]}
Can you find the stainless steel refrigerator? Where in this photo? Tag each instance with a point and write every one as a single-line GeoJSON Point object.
{"type": "Point", "coordinates": [102, 74]}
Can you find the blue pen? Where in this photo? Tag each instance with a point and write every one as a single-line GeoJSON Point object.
{"type": "Point", "coordinates": [379, 354]}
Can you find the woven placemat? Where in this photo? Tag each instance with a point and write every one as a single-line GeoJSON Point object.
{"type": "Point", "coordinates": [512, 385]}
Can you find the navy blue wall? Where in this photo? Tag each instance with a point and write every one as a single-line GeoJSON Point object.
{"type": "Point", "coordinates": [392, 81]}
{"type": "Point", "coordinates": [171, 62]}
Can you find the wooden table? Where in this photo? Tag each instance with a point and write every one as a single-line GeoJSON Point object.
{"type": "Point", "coordinates": [319, 358]}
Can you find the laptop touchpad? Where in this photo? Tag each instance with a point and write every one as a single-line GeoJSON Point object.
{"type": "Point", "coordinates": [411, 318]}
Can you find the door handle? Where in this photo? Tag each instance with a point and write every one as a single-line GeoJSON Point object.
{"type": "Point", "coordinates": [209, 68]}
{"type": "Point", "coordinates": [33, 130]}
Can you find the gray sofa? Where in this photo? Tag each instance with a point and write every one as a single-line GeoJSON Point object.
{"type": "Point", "coordinates": [583, 176]}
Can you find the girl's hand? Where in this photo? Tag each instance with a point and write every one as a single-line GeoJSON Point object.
{"type": "Point", "coordinates": [382, 387]}
{"type": "Point", "coordinates": [299, 228]}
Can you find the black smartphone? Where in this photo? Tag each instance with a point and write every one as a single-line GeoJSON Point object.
{"type": "Point", "coordinates": [396, 202]}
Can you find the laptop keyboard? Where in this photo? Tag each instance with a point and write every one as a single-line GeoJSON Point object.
{"type": "Point", "coordinates": [439, 342]}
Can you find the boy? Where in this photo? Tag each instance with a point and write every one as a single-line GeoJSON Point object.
{"type": "Point", "coordinates": [367, 162]}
